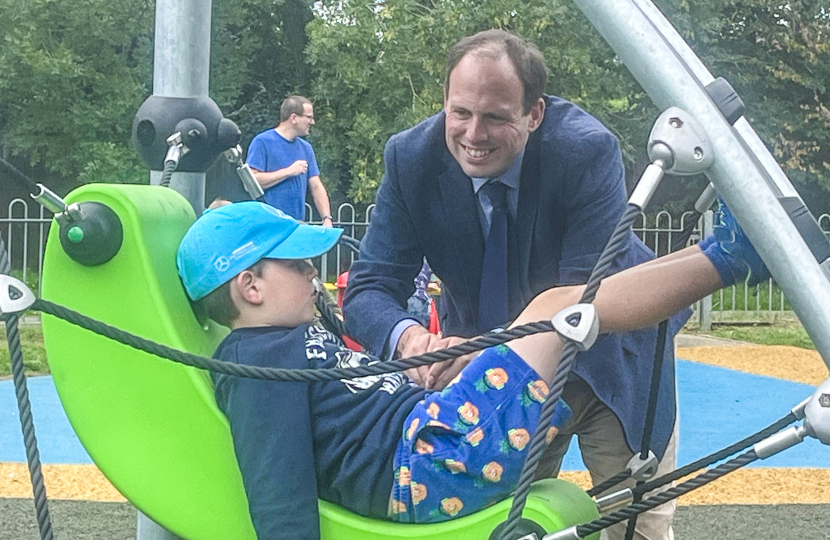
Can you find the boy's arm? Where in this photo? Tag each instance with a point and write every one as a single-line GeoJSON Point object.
{"type": "Point", "coordinates": [271, 428]}
{"type": "Point", "coordinates": [649, 293]}
{"type": "Point", "coordinates": [634, 298]}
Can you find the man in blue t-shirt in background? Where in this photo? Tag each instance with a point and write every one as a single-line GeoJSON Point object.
{"type": "Point", "coordinates": [284, 163]}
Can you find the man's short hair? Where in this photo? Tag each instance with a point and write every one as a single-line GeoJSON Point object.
{"type": "Point", "coordinates": [293, 105]}
{"type": "Point", "coordinates": [219, 306]}
{"type": "Point", "coordinates": [524, 55]}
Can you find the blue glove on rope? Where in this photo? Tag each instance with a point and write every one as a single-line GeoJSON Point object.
{"type": "Point", "coordinates": [731, 252]}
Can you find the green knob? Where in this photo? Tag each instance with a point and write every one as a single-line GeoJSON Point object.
{"type": "Point", "coordinates": [75, 234]}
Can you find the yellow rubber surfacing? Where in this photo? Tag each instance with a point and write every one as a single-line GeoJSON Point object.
{"type": "Point", "coordinates": [777, 361]}
{"type": "Point", "coordinates": [745, 486]}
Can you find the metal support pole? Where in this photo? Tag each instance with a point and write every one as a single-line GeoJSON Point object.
{"type": "Point", "coordinates": [181, 68]}
{"type": "Point", "coordinates": [662, 69]}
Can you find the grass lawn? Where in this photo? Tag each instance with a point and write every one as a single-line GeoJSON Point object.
{"type": "Point", "coordinates": [767, 296]}
{"type": "Point", "coordinates": [34, 353]}
{"type": "Point", "coordinates": [774, 334]}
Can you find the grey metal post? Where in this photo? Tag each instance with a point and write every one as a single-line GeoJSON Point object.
{"type": "Point", "coordinates": [705, 311]}
{"type": "Point", "coordinates": [736, 173]}
{"type": "Point", "coordinates": [181, 68]}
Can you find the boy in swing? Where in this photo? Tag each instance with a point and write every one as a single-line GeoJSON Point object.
{"type": "Point", "coordinates": [382, 446]}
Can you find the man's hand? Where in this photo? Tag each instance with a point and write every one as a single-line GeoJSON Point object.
{"type": "Point", "coordinates": [417, 340]}
{"type": "Point", "coordinates": [441, 373]}
{"type": "Point", "coordinates": [298, 167]}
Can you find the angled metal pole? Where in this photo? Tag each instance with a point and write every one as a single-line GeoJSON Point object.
{"type": "Point", "coordinates": [743, 172]}
{"type": "Point", "coordinates": [181, 68]}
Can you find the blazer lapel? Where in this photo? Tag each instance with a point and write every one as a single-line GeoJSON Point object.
{"type": "Point", "coordinates": [461, 212]}
{"type": "Point", "coordinates": [528, 207]}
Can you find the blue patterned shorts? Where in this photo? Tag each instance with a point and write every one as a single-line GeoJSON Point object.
{"type": "Point", "coordinates": [463, 448]}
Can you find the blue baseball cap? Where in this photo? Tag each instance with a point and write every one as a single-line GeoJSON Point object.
{"type": "Point", "coordinates": [232, 238]}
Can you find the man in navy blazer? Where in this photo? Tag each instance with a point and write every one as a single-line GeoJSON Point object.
{"type": "Point", "coordinates": [566, 193]}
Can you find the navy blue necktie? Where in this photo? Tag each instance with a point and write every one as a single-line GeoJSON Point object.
{"type": "Point", "coordinates": [492, 298]}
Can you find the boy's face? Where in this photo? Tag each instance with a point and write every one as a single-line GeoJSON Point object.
{"type": "Point", "coordinates": [289, 292]}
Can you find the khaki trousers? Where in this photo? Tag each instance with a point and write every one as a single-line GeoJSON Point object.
{"type": "Point", "coordinates": [605, 453]}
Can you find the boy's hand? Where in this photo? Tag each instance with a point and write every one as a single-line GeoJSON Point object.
{"type": "Point", "coordinates": [731, 251]}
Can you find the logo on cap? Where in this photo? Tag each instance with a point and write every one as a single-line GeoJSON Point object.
{"type": "Point", "coordinates": [222, 264]}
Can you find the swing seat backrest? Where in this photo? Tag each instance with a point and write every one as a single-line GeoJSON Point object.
{"type": "Point", "coordinates": [152, 426]}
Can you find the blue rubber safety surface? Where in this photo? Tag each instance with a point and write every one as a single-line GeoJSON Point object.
{"type": "Point", "coordinates": [717, 408]}
{"type": "Point", "coordinates": [57, 442]}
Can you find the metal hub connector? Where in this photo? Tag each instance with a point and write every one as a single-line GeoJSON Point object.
{"type": "Point", "coordinates": [578, 323]}
{"type": "Point", "coordinates": [817, 413]}
{"type": "Point", "coordinates": [643, 469]}
{"type": "Point", "coordinates": [15, 296]}
{"type": "Point", "coordinates": [678, 145]}
{"type": "Point", "coordinates": [681, 143]}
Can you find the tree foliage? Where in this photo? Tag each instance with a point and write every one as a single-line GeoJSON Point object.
{"type": "Point", "coordinates": [69, 78]}
{"type": "Point", "coordinates": [378, 68]}
{"type": "Point", "coordinates": [257, 58]}
{"type": "Point", "coordinates": [777, 56]}
{"type": "Point", "coordinates": [73, 74]}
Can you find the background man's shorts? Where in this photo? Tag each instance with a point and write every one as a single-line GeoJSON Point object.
{"type": "Point", "coordinates": [463, 448]}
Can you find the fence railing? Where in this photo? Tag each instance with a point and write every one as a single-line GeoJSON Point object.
{"type": "Point", "coordinates": [24, 226]}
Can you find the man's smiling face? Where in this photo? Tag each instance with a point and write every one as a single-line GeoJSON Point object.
{"type": "Point", "coordinates": [486, 126]}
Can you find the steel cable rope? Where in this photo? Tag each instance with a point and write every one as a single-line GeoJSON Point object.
{"type": "Point", "coordinates": [604, 522]}
{"type": "Point", "coordinates": [283, 374]}
{"type": "Point", "coordinates": [538, 442]}
{"type": "Point", "coordinates": [351, 243]}
{"type": "Point", "coordinates": [24, 406]}
{"type": "Point", "coordinates": [328, 310]}
{"type": "Point", "coordinates": [19, 177]}
{"type": "Point", "coordinates": [719, 455]}
{"type": "Point", "coordinates": [327, 304]}
{"type": "Point", "coordinates": [621, 476]}
{"type": "Point", "coordinates": [686, 233]}
{"type": "Point", "coordinates": [167, 173]}
{"type": "Point", "coordinates": [625, 474]}
{"type": "Point", "coordinates": [651, 412]}
{"type": "Point", "coordinates": [645, 487]}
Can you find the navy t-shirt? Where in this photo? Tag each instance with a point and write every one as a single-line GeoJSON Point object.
{"type": "Point", "coordinates": [296, 442]}
{"type": "Point", "coordinates": [268, 152]}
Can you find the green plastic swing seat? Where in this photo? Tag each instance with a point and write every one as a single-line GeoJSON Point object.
{"type": "Point", "coordinates": [152, 426]}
